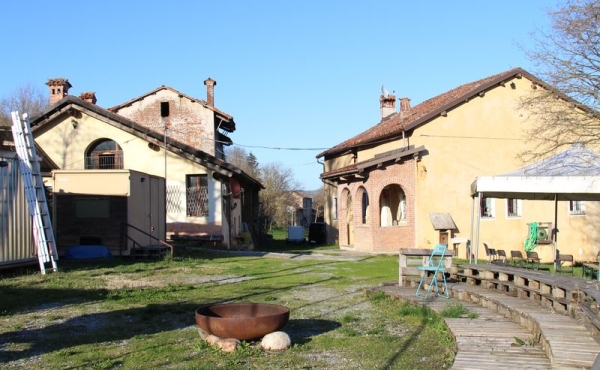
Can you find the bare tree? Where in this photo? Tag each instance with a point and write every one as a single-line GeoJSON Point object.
{"type": "Point", "coordinates": [244, 160]}
{"type": "Point", "coordinates": [276, 199]}
{"type": "Point", "coordinates": [319, 202]}
{"type": "Point", "coordinates": [568, 58]}
{"type": "Point", "coordinates": [26, 98]}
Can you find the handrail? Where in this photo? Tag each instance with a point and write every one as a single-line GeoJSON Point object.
{"type": "Point", "coordinates": [150, 235]}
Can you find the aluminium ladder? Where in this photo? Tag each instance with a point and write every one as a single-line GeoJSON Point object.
{"type": "Point", "coordinates": [35, 192]}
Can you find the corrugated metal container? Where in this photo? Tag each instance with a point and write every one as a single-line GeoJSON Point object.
{"type": "Point", "coordinates": [16, 240]}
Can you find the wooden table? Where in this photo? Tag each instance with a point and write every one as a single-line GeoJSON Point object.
{"type": "Point", "coordinates": [590, 266]}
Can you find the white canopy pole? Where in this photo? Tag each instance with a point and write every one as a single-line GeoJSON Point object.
{"type": "Point", "coordinates": [478, 229]}
{"type": "Point", "coordinates": [555, 229]}
{"type": "Point", "coordinates": [470, 246]}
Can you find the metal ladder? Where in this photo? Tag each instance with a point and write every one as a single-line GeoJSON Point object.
{"type": "Point", "coordinates": [35, 193]}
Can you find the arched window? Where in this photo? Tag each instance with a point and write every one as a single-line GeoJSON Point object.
{"type": "Point", "coordinates": [392, 203]}
{"type": "Point", "coordinates": [104, 154]}
{"type": "Point", "coordinates": [365, 207]}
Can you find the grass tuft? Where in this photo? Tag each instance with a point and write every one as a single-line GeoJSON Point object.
{"type": "Point", "coordinates": [455, 310]}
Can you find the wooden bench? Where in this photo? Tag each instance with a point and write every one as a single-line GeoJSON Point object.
{"type": "Point", "coordinates": [489, 279]}
{"type": "Point", "coordinates": [578, 297]}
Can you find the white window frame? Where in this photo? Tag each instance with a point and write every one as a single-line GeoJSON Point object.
{"type": "Point", "coordinates": [576, 208]}
{"type": "Point", "coordinates": [492, 208]}
{"type": "Point", "coordinates": [518, 204]}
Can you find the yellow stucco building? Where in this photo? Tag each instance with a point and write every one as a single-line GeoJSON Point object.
{"type": "Point", "coordinates": [165, 134]}
{"type": "Point", "coordinates": [405, 182]}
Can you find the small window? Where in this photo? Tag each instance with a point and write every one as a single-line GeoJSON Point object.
{"type": "Point", "coordinates": [197, 195]}
{"type": "Point", "coordinates": [487, 207]}
{"type": "Point", "coordinates": [92, 208]}
{"type": "Point", "coordinates": [513, 207]}
{"type": "Point", "coordinates": [164, 109]}
{"type": "Point", "coordinates": [576, 207]}
{"type": "Point", "coordinates": [335, 208]}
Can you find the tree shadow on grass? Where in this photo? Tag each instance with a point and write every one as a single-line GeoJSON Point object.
{"type": "Point", "coordinates": [94, 328]}
{"type": "Point", "coordinates": [301, 331]}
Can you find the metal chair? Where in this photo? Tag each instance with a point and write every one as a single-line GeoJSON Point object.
{"type": "Point", "coordinates": [501, 255]}
{"type": "Point", "coordinates": [430, 270]}
{"type": "Point", "coordinates": [533, 259]}
{"type": "Point", "coordinates": [490, 253]}
{"type": "Point", "coordinates": [560, 261]}
{"type": "Point", "coordinates": [516, 258]}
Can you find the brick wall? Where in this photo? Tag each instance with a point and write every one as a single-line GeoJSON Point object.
{"type": "Point", "coordinates": [371, 237]}
{"type": "Point", "coordinates": [184, 123]}
{"type": "Point", "coordinates": [70, 228]}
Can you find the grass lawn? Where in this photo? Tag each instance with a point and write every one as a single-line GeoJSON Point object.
{"type": "Point", "coordinates": [109, 314]}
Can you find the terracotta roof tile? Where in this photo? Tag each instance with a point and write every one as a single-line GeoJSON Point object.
{"type": "Point", "coordinates": [392, 126]}
{"type": "Point", "coordinates": [45, 117]}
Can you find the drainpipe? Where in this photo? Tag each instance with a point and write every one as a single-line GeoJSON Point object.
{"type": "Point", "coordinates": [415, 200]}
{"type": "Point", "coordinates": [227, 206]}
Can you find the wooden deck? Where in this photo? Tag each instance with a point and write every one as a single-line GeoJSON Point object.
{"type": "Point", "coordinates": [485, 342]}
{"type": "Point", "coordinates": [577, 297]}
{"type": "Point", "coordinates": [559, 313]}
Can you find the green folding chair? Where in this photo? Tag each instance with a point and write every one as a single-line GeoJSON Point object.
{"type": "Point", "coordinates": [430, 271]}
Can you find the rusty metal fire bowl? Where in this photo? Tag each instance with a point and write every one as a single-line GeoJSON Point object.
{"type": "Point", "coordinates": [243, 321]}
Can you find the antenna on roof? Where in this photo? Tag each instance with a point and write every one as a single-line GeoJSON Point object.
{"type": "Point", "coordinates": [384, 91]}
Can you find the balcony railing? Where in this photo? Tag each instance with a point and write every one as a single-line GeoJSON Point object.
{"type": "Point", "coordinates": [105, 162]}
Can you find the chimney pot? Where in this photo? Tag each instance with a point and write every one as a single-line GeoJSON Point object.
{"type": "Point", "coordinates": [404, 106]}
{"type": "Point", "coordinates": [59, 88]}
{"type": "Point", "coordinates": [387, 105]}
{"type": "Point", "coordinates": [89, 97]}
{"type": "Point", "coordinates": [210, 91]}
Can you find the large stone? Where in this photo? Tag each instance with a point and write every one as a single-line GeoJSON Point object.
{"type": "Point", "coordinates": [203, 334]}
{"type": "Point", "coordinates": [276, 341]}
{"type": "Point", "coordinates": [212, 339]}
{"type": "Point", "coordinates": [228, 344]}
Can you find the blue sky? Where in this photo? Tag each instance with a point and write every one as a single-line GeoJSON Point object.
{"type": "Point", "coordinates": [294, 74]}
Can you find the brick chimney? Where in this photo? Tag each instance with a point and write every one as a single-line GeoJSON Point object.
{"type": "Point", "coordinates": [387, 105]}
{"type": "Point", "coordinates": [89, 97]}
{"type": "Point", "coordinates": [210, 91]}
{"type": "Point", "coordinates": [59, 88]}
{"type": "Point", "coordinates": [404, 107]}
